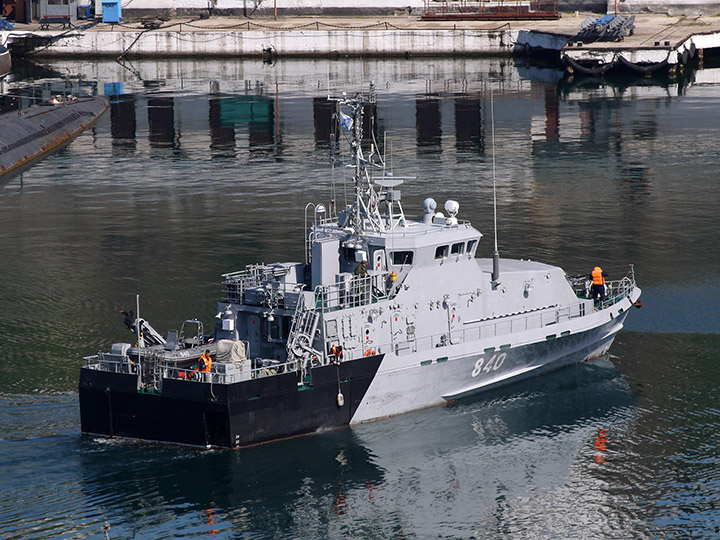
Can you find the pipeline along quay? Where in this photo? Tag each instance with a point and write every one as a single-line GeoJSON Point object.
{"type": "Point", "coordinates": [670, 40]}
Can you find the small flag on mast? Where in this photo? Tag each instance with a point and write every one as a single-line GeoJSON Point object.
{"type": "Point", "coordinates": [346, 121]}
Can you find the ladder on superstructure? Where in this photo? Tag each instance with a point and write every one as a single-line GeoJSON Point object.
{"type": "Point", "coordinates": [302, 334]}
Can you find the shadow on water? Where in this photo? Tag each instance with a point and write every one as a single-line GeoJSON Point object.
{"type": "Point", "coordinates": [562, 398]}
{"type": "Point", "coordinates": [251, 488]}
{"type": "Point", "coordinates": [275, 487]}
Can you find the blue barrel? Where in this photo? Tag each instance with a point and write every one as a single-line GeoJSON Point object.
{"type": "Point", "coordinates": [111, 11]}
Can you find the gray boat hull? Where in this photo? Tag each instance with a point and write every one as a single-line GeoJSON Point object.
{"type": "Point", "coordinates": [444, 374]}
{"type": "Point", "coordinates": [30, 134]}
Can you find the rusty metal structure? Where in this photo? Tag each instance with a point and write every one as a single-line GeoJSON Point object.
{"type": "Point", "coordinates": [490, 10]}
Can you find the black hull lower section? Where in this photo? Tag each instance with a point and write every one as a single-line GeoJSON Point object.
{"type": "Point", "coordinates": [223, 415]}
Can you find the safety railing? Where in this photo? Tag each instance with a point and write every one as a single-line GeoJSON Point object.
{"type": "Point", "coordinates": [615, 290]}
{"type": "Point", "coordinates": [229, 373]}
{"type": "Point", "coordinates": [495, 328]}
{"type": "Point", "coordinates": [111, 362]}
{"type": "Point", "coordinates": [254, 276]}
{"type": "Point", "coordinates": [356, 291]}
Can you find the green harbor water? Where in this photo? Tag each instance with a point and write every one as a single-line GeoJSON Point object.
{"type": "Point", "coordinates": [199, 168]}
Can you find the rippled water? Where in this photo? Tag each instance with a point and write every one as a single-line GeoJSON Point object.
{"type": "Point", "coordinates": [201, 168]}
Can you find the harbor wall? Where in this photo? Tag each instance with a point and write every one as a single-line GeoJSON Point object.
{"type": "Point", "coordinates": [334, 44]}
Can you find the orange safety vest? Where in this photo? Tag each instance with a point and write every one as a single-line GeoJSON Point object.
{"type": "Point", "coordinates": [597, 276]}
{"type": "Point", "coordinates": [205, 363]}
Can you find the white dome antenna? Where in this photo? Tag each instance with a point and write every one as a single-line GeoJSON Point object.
{"type": "Point", "coordinates": [452, 207]}
{"type": "Point", "coordinates": [429, 206]}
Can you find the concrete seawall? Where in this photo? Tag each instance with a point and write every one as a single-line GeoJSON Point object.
{"type": "Point", "coordinates": [336, 38]}
{"type": "Point", "coordinates": [297, 37]}
{"type": "Point", "coordinates": [323, 43]}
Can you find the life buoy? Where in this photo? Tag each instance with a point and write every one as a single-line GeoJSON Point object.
{"type": "Point", "coordinates": [369, 352]}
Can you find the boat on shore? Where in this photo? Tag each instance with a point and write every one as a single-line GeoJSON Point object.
{"type": "Point", "coordinates": [5, 61]}
{"type": "Point", "coordinates": [386, 315]}
{"type": "Point", "coordinates": [29, 134]}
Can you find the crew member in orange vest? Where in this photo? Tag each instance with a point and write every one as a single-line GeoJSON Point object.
{"type": "Point", "coordinates": [598, 286]}
{"type": "Point", "coordinates": [205, 364]}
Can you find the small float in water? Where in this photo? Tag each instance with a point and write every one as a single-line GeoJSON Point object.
{"type": "Point", "coordinates": [29, 134]}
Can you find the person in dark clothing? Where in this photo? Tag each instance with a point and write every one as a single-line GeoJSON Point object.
{"type": "Point", "coordinates": [361, 269]}
{"type": "Point", "coordinates": [598, 286]}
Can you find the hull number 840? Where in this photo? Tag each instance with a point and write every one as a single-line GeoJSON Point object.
{"type": "Point", "coordinates": [493, 364]}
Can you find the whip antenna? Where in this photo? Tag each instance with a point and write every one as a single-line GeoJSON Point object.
{"type": "Point", "coordinates": [496, 254]}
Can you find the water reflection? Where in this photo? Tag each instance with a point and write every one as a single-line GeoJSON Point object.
{"type": "Point", "coordinates": [123, 124]}
{"type": "Point", "coordinates": [428, 124]}
{"type": "Point", "coordinates": [161, 121]}
{"type": "Point", "coordinates": [469, 135]}
{"type": "Point", "coordinates": [325, 126]}
{"type": "Point", "coordinates": [577, 183]}
{"type": "Point", "coordinates": [447, 468]}
{"type": "Point", "coordinates": [222, 136]}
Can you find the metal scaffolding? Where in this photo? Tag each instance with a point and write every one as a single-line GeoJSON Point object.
{"type": "Point", "coordinates": [489, 10]}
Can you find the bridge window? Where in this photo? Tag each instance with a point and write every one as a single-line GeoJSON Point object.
{"type": "Point", "coordinates": [471, 246]}
{"type": "Point", "coordinates": [441, 252]}
{"type": "Point", "coordinates": [457, 249]}
{"type": "Point", "coordinates": [402, 257]}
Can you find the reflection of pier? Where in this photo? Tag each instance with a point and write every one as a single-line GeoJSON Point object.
{"type": "Point", "coordinates": [244, 114]}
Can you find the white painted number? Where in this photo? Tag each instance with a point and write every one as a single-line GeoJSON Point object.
{"type": "Point", "coordinates": [495, 362]}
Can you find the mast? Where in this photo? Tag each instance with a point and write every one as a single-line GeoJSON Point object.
{"type": "Point", "coordinates": [496, 255]}
{"type": "Point", "coordinates": [357, 154]}
{"type": "Point", "coordinates": [370, 192]}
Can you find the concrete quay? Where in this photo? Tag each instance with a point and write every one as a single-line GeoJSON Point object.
{"type": "Point", "coordinates": [668, 38]}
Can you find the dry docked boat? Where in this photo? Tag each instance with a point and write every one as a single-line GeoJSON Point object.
{"type": "Point", "coordinates": [5, 61]}
{"type": "Point", "coordinates": [300, 346]}
{"type": "Point", "coordinates": [31, 133]}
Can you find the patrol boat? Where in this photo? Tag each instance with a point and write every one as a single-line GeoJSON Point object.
{"type": "Point", "coordinates": [303, 346]}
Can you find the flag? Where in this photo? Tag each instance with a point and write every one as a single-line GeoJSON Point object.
{"type": "Point", "coordinates": [346, 121]}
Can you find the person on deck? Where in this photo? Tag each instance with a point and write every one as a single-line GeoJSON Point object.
{"type": "Point", "coordinates": [361, 269]}
{"type": "Point", "coordinates": [598, 286]}
{"type": "Point", "coordinates": [361, 284]}
{"type": "Point", "coordinates": [205, 365]}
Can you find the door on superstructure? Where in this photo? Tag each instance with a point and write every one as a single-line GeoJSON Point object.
{"type": "Point", "coordinates": [251, 333]}
{"type": "Point", "coordinates": [379, 264]}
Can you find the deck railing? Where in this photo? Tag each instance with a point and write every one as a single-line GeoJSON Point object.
{"type": "Point", "coordinates": [111, 362]}
{"type": "Point", "coordinates": [254, 275]}
{"type": "Point", "coordinates": [356, 291]}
